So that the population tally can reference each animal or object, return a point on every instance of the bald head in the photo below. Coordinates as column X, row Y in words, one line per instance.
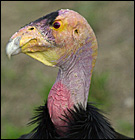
column 63, row 39
column 53, row 37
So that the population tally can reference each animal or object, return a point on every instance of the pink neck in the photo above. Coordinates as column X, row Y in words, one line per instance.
column 71, row 86
column 59, row 100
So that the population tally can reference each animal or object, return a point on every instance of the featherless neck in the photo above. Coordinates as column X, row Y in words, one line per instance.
column 72, row 84
column 76, row 74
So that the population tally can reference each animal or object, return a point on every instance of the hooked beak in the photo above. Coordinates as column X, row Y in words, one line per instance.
column 27, row 40
column 30, row 41
column 13, row 47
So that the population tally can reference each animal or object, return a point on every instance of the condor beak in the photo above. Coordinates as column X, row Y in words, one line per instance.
column 13, row 47
column 27, row 39
column 30, row 41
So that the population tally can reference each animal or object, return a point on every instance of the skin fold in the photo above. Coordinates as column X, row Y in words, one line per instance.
column 64, row 39
column 72, row 48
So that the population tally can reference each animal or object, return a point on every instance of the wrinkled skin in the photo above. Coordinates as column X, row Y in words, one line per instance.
column 72, row 47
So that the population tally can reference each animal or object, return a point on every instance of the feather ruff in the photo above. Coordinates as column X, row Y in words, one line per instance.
column 83, row 124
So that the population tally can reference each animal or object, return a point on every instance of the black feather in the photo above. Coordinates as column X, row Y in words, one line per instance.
column 89, row 124
column 82, row 124
column 44, row 129
column 50, row 18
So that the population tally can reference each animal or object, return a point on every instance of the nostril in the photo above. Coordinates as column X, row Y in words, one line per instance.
column 31, row 28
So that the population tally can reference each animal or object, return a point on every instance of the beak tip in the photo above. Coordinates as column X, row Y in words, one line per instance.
column 7, row 51
column 13, row 47
column 9, row 56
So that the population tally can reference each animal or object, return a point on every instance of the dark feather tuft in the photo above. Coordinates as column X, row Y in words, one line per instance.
column 88, row 124
column 44, row 129
column 82, row 124
column 50, row 18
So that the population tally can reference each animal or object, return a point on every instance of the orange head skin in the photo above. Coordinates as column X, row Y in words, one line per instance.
column 63, row 39
column 68, row 38
column 72, row 34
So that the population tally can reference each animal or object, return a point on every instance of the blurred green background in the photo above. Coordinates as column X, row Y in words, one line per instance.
column 26, row 82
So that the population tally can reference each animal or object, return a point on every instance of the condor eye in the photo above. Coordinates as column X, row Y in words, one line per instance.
column 56, row 25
